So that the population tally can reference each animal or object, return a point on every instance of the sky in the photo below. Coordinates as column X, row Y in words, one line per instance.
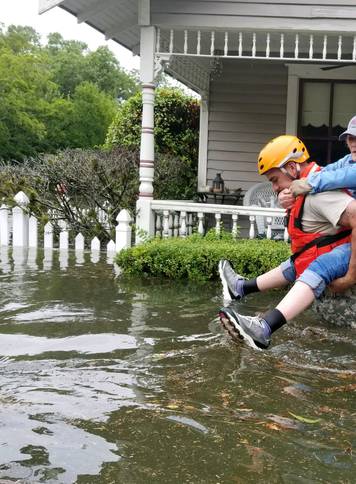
column 25, row 12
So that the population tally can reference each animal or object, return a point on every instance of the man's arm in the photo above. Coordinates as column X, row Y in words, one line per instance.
column 341, row 174
column 348, row 219
column 344, row 177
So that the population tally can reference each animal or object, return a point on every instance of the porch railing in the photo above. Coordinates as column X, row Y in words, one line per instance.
column 20, row 229
column 285, row 46
column 179, row 218
column 172, row 218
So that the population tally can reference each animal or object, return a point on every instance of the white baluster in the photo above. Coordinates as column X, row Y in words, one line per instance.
column 254, row 44
column 158, row 40
column 325, row 46
column 281, row 50
column 123, row 230
column 296, row 46
column 212, row 43
column 311, row 46
column 217, row 223
column 268, row 48
column 79, row 243
column 48, row 236
column 190, row 223
column 176, row 225
column 269, row 228
column 158, row 226
column 185, row 48
column 165, row 224
column 240, row 44
column 170, row 225
column 198, row 42
column 235, row 229
column 95, row 250
column 95, row 244
column 32, row 232
column 20, row 221
column 286, row 235
column 63, row 235
column 226, row 44
column 200, row 223
column 252, row 232
column 183, row 224
column 4, row 226
column 111, row 247
column 339, row 48
column 171, row 41
column 354, row 50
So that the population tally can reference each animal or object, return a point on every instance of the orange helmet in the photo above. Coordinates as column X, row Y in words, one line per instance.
column 279, row 151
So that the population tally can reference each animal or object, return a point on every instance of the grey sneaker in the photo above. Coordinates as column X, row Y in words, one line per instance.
column 232, row 282
column 253, row 329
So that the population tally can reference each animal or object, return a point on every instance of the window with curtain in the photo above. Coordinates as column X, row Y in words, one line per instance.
column 325, row 110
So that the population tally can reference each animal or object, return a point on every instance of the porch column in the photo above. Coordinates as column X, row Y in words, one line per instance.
column 145, row 216
column 203, row 141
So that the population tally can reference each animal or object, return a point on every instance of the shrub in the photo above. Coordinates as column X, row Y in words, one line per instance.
column 75, row 180
column 197, row 257
column 176, row 139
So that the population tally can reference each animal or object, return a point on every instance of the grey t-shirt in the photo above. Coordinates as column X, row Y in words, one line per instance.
column 322, row 211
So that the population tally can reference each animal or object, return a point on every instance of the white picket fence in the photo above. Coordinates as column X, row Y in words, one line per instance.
column 20, row 230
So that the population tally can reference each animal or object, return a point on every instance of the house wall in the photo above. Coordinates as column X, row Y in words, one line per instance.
column 247, row 107
column 302, row 15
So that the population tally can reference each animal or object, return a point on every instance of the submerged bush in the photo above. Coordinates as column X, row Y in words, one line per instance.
column 197, row 257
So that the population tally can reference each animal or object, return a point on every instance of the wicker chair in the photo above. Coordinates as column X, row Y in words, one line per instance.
column 262, row 195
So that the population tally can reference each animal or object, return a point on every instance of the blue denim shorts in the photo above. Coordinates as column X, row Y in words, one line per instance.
column 322, row 270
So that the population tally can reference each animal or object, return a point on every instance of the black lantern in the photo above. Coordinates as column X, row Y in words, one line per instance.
column 218, row 184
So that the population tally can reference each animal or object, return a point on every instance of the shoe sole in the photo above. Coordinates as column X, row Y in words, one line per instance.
column 232, row 326
column 226, row 291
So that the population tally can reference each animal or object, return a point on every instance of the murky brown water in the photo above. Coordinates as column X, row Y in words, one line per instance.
column 106, row 380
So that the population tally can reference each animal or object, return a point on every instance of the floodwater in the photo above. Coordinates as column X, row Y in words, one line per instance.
column 105, row 379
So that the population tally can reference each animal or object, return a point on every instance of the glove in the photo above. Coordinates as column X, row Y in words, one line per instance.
column 300, row 187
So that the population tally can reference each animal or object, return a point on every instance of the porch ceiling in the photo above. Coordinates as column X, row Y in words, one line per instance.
column 116, row 19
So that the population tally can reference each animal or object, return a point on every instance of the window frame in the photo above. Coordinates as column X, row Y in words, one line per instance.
column 330, row 138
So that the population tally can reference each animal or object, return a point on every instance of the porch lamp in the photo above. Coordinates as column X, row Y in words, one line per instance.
column 218, row 183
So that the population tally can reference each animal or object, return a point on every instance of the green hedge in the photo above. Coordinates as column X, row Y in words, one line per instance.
column 197, row 257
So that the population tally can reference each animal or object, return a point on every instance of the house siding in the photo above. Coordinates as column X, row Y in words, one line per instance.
column 303, row 15
column 247, row 107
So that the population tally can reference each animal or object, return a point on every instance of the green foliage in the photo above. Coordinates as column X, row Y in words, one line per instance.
column 55, row 96
column 176, row 137
column 197, row 257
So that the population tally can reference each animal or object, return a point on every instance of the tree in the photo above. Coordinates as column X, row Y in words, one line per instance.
column 56, row 96
column 26, row 93
column 176, row 124
column 93, row 109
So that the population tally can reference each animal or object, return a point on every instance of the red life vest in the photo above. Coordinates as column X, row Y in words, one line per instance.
column 306, row 247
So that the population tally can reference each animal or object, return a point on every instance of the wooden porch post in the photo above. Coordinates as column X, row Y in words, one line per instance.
column 145, row 216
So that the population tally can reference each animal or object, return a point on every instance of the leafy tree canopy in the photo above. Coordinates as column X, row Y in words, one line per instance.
column 55, row 96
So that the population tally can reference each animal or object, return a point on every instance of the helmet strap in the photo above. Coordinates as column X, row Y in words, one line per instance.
column 283, row 170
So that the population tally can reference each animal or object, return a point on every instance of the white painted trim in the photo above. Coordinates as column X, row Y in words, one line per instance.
column 308, row 71
column 45, row 5
column 203, row 142
column 144, row 12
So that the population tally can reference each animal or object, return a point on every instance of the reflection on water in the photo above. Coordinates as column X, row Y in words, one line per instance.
column 111, row 380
